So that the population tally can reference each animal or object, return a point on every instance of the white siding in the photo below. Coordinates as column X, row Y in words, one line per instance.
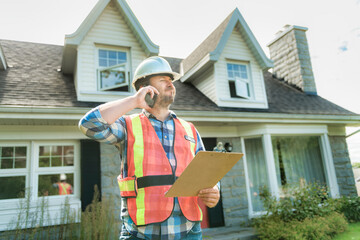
column 111, row 30
column 236, row 49
column 206, row 84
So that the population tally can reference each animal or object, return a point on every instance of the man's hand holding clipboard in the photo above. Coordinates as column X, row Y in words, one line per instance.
column 205, row 170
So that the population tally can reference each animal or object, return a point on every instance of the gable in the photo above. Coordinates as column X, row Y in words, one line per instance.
column 209, row 51
column 210, row 66
column 236, row 51
column 110, row 33
column 74, row 39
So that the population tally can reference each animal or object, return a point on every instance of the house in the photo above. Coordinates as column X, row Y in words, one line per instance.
column 288, row 133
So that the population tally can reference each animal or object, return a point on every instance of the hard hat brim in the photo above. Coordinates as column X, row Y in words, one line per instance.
column 176, row 76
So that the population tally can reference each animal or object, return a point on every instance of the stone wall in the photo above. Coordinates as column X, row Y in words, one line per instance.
column 233, row 190
column 110, row 169
column 343, row 168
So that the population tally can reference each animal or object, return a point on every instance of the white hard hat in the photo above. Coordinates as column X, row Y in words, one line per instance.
column 62, row 177
column 154, row 65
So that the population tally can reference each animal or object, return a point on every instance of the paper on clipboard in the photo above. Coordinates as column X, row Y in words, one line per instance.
column 204, row 171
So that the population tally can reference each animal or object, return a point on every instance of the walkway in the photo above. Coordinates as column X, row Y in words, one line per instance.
column 229, row 233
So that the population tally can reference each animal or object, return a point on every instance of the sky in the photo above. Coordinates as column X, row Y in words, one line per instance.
column 179, row 26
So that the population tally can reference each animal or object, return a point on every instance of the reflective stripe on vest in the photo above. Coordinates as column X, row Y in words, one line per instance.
column 189, row 132
column 64, row 188
column 127, row 186
column 146, row 157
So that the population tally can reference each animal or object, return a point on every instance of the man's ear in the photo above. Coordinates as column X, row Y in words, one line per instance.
column 144, row 85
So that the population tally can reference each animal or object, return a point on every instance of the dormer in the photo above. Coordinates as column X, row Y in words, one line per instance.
column 228, row 66
column 3, row 64
column 103, row 53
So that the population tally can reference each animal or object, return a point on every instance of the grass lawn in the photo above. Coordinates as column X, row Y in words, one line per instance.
column 353, row 233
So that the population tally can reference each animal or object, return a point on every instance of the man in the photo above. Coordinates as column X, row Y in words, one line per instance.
column 63, row 187
column 157, row 148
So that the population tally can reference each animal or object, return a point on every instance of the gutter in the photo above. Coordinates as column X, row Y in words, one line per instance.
column 357, row 131
column 75, row 113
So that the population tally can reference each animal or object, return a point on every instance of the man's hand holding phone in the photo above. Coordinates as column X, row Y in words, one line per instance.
column 150, row 101
column 146, row 97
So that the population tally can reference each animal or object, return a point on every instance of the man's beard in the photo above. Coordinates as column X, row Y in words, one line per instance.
column 165, row 101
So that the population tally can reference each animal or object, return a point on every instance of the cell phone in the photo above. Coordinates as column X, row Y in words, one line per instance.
column 150, row 101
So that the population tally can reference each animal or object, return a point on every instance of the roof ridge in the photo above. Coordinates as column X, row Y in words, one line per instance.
column 216, row 33
column 10, row 40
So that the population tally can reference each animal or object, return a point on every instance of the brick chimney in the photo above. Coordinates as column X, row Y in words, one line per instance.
column 290, row 53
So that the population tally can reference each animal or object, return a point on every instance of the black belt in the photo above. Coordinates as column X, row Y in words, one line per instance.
column 155, row 180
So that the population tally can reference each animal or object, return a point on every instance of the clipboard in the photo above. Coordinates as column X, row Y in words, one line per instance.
column 204, row 171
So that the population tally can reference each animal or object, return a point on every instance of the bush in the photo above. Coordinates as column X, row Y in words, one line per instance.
column 303, row 213
column 349, row 206
column 316, row 228
column 299, row 203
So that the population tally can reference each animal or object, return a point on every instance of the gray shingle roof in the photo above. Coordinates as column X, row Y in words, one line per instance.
column 282, row 98
column 33, row 80
column 208, row 45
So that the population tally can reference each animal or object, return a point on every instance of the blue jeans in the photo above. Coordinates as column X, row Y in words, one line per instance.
column 194, row 234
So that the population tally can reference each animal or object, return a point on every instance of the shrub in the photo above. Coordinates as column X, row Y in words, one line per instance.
column 299, row 203
column 349, row 206
column 304, row 213
column 316, row 228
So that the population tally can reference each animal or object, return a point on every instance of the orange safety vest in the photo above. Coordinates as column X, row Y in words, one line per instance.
column 150, row 173
column 64, row 188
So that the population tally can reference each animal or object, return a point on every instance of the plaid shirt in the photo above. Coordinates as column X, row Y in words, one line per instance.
column 95, row 127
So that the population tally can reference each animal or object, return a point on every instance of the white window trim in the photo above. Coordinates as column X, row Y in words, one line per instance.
column 55, row 170
column 9, row 207
column 126, row 83
column 17, row 171
column 247, row 64
column 99, row 68
column 272, row 130
column 330, row 172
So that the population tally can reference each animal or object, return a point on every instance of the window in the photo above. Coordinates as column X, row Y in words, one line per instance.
column 113, row 70
column 295, row 161
column 13, row 171
column 239, row 80
column 298, row 161
column 257, row 171
column 56, row 169
column 44, row 169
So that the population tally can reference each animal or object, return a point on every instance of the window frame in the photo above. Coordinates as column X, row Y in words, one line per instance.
column 14, row 172
column 239, row 80
column 32, row 170
column 75, row 169
column 252, row 213
column 99, row 68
